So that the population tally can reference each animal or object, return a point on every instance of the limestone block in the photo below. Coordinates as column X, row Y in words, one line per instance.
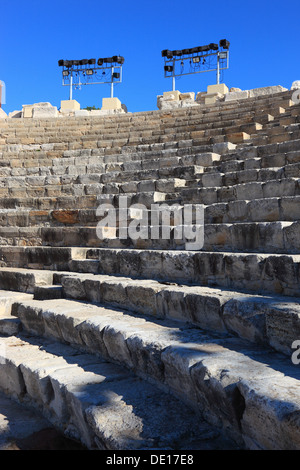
column 200, row 96
column 211, row 98
column 237, row 95
column 187, row 96
column 171, row 95
column 81, row 112
column 69, row 105
column 295, row 85
column 167, row 105
column 269, row 90
column 44, row 112
column 234, row 89
column 188, row 102
column 238, row 137
column 27, row 110
column 219, row 88
column 224, row 147
column 3, row 114
column 111, row 104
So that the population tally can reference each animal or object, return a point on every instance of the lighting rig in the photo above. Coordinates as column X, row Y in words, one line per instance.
column 212, row 57
column 89, row 72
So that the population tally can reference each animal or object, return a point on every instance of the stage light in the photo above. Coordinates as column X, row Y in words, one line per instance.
column 196, row 59
column 100, row 62
column 223, row 55
column 177, row 53
column 166, row 53
column 168, row 68
column 213, row 46
column 65, row 73
column 83, row 62
column 89, row 72
column 118, row 59
column 92, row 61
column 224, row 43
column 203, row 48
column 60, row 63
column 116, row 75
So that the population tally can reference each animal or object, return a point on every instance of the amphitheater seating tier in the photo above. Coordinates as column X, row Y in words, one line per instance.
column 143, row 343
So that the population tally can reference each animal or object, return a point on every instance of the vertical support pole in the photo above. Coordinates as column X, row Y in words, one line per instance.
column 0, row 94
column 112, row 83
column 71, row 86
column 173, row 78
column 218, row 69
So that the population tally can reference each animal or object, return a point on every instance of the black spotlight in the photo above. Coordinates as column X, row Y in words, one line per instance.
column 213, row 46
column 166, row 53
column 100, row 62
column 203, row 48
column 116, row 75
column 118, row 59
column 224, row 43
column 92, row 61
column 168, row 68
column 177, row 53
column 61, row 63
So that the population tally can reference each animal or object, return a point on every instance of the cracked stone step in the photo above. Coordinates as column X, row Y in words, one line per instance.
column 269, row 320
column 258, row 272
column 246, row 398
column 100, row 404
column 256, row 237
column 10, row 325
column 22, row 428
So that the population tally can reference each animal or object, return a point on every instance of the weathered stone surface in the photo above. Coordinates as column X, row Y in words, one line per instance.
column 169, row 314
column 266, row 90
column 237, row 95
column 295, row 85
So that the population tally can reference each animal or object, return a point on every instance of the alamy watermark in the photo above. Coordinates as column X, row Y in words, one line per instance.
column 162, row 221
column 296, row 354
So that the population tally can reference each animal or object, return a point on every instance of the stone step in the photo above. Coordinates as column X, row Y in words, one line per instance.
column 248, row 237
column 229, row 116
column 22, row 429
column 10, row 325
column 189, row 362
column 161, row 121
column 280, row 187
column 116, row 138
column 39, row 257
column 117, row 411
column 260, row 319
column 285, row 208
column 70, row 202
column 248, row 272
column 251, row 272
column 24, row 280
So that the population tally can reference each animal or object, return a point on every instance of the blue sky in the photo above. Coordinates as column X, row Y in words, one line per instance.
column 35, row 34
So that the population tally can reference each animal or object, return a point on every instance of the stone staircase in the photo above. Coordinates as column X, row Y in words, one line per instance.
column 141, row 343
